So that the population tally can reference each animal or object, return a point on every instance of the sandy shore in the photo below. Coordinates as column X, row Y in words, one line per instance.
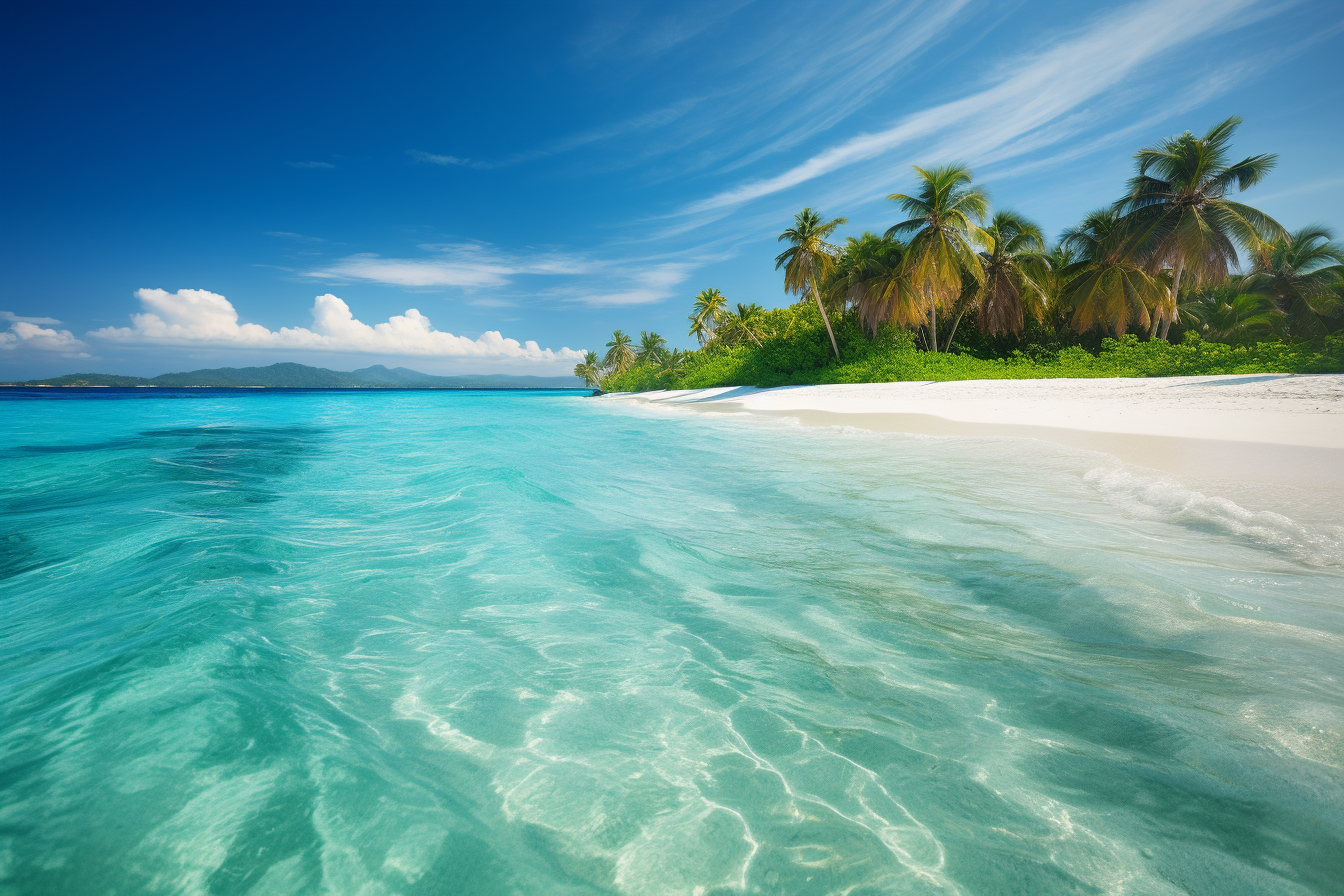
column 1275, row 440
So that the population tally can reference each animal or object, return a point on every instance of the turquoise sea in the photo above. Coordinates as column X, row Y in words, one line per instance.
column 535, row 643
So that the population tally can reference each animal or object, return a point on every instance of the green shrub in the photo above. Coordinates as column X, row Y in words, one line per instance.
column 799, row 353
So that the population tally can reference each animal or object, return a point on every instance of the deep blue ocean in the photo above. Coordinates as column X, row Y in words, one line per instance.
column 536, row 643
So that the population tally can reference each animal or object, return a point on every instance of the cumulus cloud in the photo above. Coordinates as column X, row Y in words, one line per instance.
column 203, row 318
column 25, row 334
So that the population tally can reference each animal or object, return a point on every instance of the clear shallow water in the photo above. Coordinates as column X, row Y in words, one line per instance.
column 516, row 643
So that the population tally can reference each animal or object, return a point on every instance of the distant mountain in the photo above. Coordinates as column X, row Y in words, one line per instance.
column 86, row 379
column 299, row 376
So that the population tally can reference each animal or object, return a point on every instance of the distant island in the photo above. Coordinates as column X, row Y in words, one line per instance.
column 300, row 376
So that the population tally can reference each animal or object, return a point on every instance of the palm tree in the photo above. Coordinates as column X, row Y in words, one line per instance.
column 1106, row 286
column 1015, row 285
column 809, row 259
column 673, row 362
column 744, row 325
column 709, row 308
column 1178, row 209
column 1300, row 274
column 651, row 347
column 1226, row 314
column 589, row 370
column 1055, row 280
column 870, row 275
column 945, row 218
column 619, row 353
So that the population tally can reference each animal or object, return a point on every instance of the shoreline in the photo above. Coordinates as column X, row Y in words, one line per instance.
column 1268, row 441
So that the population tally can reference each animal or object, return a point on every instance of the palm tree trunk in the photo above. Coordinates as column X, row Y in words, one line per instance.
column 933, row 317
column 816, row 295
column 957, row 323
column 1176, row 272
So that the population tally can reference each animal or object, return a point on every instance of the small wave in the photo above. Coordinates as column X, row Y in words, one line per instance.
column 1164, row 499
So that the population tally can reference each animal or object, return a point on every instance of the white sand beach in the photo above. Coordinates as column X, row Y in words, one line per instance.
column 1273, row 440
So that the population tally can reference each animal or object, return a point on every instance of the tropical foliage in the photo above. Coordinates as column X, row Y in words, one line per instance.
column 810, row 259
column 1180, row 217
column 945, row 214
column 1174, row 277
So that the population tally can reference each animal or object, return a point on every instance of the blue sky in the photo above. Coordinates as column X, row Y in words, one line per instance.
column 250, row 183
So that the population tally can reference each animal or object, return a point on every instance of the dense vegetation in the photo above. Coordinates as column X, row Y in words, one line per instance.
column 1173, row 278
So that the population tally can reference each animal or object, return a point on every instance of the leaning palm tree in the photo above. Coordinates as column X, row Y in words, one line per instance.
column 1179, row 212
column 619, row 353
column 710, row 307
column 1300, row 274
column 809, row 259
column 870, row 275
column 651, row 347
column 944, row 218
column 1106, row 286
column 589, row 370
column 1015, row 283
column 744, row 325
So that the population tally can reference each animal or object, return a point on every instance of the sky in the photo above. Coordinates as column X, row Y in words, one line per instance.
column 493, row 188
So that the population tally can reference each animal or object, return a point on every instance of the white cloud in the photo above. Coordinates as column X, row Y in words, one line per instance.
column 469, row 265
column 654, row 119
column 1029, row 94
column 23, row 334
column 11, row 316
column 297, row 237
column 201, row 318
column 606, row 283
column 436, row 159
column 633, row 283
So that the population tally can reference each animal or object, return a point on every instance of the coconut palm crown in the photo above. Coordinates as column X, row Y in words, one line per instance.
column 1016, row 268
column 709, row 309
column 1180, row 215
column 619, row 353
column 944, row 218
column 809, row 259
column 651, row 346
column 870, row 276
column 589, row 370
column 1300, row 274
column 743, row 325
column 1105, row 286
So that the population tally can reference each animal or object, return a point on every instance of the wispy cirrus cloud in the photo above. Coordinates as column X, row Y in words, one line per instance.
column 466, row 265
column 644, row 121
column 18, row 318
column 593, row 282
column 296, row 237
column 644, row 286
column 1022, row 97
column 436, row 159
